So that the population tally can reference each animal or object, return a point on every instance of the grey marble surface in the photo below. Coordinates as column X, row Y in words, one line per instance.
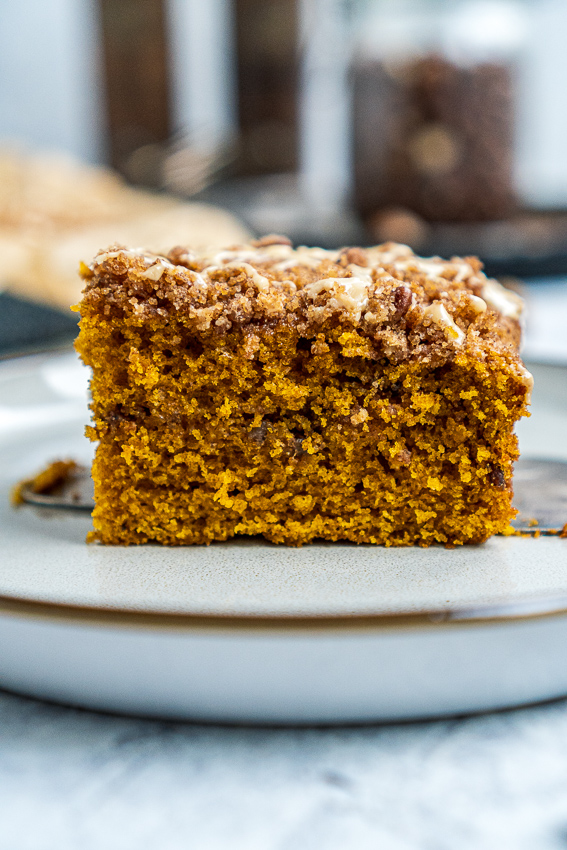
column 72, row 779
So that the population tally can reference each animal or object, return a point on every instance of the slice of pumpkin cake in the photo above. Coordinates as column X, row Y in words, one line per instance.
column 359, row 394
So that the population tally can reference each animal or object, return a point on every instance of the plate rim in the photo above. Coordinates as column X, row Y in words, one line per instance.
column 528, row 609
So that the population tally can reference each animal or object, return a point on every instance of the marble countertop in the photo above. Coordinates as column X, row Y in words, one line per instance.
column 73, row 779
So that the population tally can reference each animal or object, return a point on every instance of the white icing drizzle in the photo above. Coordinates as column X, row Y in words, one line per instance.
column 109, row 255
column 361, row 272
column 308, row 257
column 389, row 252
column 464, row 271
column 477, row 304
column 503, row 300
column 349, row 293
column 528, row 380
column 103, row 256
column 224, row 257
column 199, row 279
column 156, row 270
column 156, row 264
column 403, row 259
column 439, row 315
column 261, row 282
column 433, row 267
column 281, row 257
column 430, row 266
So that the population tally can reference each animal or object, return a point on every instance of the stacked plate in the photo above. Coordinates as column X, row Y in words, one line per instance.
column 250, row 632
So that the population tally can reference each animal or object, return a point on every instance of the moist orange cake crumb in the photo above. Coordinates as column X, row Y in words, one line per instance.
column 360, row 394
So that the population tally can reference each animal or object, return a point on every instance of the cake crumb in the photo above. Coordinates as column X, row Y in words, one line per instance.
column 360, row 394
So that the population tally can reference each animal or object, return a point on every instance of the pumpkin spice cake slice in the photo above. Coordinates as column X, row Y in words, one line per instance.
column 363, row 395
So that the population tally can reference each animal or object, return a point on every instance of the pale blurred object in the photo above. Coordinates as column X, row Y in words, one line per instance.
column 55, row 212
column 396, row 224
column 435, row 110
column 51, row 87
column 546, row 340
column 186, row 168
column 203, row 74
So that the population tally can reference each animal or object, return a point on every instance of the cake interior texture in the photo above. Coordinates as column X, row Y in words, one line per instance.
column 366, row 395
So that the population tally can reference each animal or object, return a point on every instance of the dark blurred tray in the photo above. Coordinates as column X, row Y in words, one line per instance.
column 530, row 244
column 26, row 326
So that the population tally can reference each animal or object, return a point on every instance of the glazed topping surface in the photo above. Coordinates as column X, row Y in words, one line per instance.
column 387, row 291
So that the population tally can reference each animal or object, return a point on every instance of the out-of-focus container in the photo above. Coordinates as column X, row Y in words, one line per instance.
column 435, row 107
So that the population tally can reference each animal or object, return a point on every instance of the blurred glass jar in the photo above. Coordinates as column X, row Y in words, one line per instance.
column 434, row 107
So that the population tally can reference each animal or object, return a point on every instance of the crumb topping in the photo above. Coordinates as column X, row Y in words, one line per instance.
column 407, row 305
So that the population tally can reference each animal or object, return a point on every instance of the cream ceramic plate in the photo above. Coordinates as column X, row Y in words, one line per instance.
column 247, row 631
